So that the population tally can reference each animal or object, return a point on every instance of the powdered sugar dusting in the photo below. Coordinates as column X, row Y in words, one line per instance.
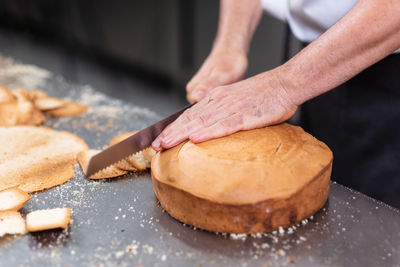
column 144, row 234
column 18, row 75
column 102, row 115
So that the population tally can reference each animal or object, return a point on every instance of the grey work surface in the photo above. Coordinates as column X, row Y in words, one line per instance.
column 117, row 222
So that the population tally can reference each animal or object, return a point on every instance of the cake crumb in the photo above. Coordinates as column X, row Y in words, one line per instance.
column 281, row 252
column 119, row 254
column 281, row 230
column 238, row 236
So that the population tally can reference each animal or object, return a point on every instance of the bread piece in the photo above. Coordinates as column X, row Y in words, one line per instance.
column 9, row 113
column 248, row 182
column 6, row 95
column 121, row 137
column 69, row 109
column 25, row 108
column 13, row 199
column 11, row 222
column 123, row 164
column 22, row 107
column 40, row 220
column 109, row 172
column 8, row 108
column 36, row 94
column 19, row 109
column 137, row 160
column 36, row 118
column 48, row 103
column 36, row 158
column 149, row 153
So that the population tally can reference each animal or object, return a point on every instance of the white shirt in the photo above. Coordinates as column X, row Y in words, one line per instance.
column 308, row 19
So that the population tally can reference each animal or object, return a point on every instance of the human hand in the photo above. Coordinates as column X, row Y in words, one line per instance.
column 220, row 68
column 253, row 103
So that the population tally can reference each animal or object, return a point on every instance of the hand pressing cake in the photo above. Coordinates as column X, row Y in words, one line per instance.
column 248, row 182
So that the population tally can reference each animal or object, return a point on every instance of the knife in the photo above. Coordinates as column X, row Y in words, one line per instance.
column 129, row 146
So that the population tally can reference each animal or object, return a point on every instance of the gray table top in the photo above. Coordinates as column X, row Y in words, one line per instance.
column 119, row 222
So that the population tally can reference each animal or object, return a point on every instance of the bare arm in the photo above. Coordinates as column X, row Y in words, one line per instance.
column 368, row 33
column 227, row 62
column 237, row 23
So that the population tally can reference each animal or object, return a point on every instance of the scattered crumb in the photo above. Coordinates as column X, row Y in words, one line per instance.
column 238, row 236
column 281, row 252
column 101, row 118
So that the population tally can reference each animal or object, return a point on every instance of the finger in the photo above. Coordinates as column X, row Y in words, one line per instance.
column 201, row 74
column 219, row 78
column 156, row 145
column 207, row 83
column 165, row 140
column 205, row 114
column 180, row 132
column 195, row 85
column 197, row 95
column 221, row 128
column 177, row 137
column 176, row 131
column 206, row 117
column 194, row 82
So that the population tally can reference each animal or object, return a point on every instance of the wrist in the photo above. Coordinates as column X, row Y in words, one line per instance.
column 276, row 82
column 291, row 85
column 223, row 46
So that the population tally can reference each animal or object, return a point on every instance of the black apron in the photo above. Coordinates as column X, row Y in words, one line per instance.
column 360, row 122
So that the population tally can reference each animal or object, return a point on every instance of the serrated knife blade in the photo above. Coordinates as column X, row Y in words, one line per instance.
column 129, row 146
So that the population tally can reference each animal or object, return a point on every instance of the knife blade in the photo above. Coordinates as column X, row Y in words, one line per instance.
column 129, row 146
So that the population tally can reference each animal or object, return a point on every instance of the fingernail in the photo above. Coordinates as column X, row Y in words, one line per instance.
column 157, row 143
column 199, row 94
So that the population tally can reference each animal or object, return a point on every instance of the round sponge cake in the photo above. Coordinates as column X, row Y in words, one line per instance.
column 248, row 182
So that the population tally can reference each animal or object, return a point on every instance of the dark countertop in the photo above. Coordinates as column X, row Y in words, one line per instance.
column 118, row 221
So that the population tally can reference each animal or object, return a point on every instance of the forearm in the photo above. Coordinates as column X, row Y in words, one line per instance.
column 368, row 33
column 238, row 20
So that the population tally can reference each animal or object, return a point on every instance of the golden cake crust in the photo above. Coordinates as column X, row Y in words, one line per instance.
column 251, row 181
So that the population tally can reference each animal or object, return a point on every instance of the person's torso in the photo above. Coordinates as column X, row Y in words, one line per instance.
column 308, row 19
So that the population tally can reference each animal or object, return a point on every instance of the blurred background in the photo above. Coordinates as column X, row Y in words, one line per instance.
column 140, row 51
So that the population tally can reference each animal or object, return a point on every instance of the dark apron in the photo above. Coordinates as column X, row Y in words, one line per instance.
column 360, row 122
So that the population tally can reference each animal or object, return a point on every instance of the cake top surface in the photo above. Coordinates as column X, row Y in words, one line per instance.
column 246, row 167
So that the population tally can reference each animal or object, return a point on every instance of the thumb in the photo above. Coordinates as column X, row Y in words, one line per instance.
column 197, row 95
